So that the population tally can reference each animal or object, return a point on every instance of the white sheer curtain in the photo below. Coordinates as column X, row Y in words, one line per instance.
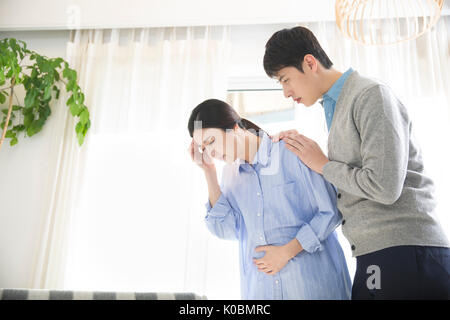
column 132, row 218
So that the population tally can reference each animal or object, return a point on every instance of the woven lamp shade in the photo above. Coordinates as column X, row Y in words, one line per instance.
column 381, row 22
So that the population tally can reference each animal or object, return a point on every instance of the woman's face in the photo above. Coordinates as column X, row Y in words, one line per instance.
column 218, row 144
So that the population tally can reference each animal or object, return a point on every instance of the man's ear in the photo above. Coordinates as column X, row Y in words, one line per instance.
column 310, row 62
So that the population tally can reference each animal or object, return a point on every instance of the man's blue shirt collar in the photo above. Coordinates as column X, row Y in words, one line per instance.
column 331, row 96
column 335, row 90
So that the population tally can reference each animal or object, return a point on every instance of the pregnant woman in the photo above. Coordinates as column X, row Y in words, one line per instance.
column 282, row 213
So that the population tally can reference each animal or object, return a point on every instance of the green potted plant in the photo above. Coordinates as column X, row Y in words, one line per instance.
column 40, row 76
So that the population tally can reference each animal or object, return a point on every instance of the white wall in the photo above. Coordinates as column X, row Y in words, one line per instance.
column 57, row 14
column 63, row 14
column 24, row 171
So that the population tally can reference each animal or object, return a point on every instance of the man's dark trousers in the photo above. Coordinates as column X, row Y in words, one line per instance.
column 403, row 272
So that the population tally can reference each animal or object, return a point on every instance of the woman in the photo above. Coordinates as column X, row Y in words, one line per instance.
column 282, row 213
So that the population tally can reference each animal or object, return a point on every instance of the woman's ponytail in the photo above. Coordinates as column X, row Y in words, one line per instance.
column 247, row 124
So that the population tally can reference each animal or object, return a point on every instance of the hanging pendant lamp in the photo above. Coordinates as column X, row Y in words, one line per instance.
column 381, row 22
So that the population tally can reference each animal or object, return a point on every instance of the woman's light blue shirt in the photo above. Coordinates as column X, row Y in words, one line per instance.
column 270, row 202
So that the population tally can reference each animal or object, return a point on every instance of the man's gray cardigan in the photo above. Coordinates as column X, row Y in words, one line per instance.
column 383, row 193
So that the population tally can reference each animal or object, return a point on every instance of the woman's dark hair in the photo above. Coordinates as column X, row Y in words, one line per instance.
column 288, row 48
column 218, row 114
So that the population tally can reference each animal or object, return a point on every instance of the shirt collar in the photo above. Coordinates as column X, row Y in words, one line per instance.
column 335, row 90
column 262, row 155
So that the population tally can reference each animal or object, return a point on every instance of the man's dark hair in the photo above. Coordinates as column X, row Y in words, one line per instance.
column 288, row 48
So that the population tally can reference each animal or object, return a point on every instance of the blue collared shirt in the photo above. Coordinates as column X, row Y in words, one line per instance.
column 270, row 202
column 332, row 95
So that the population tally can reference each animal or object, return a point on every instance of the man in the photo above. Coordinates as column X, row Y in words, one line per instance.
column 386, row 200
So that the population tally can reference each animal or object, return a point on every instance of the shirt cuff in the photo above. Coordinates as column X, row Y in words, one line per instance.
column 220, row 208
column 308, row 239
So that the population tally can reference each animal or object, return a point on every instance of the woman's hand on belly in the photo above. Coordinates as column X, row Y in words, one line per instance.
column 276, row 257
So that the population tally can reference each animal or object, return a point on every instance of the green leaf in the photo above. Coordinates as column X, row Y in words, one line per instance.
column 24, row 45
column 44, row 111
column 30, row 98
column 55, row 88
column 34, row 73
column 2, row 78
column 68, row 74
column 71, row 85
column 2, row 97
column 56, row 62
column 26, row 111
column 47, row 93
column 12, row 42
column 80, row 98
column 37, row 125
column 44, row 64
column 78, row 127
column 75, row 109
column 26, row 82
column 80, row 137
column 37, row 82
column 28, row 119
column 19, row 127
column 84, row 116
column 13, row 141
column 10, row 134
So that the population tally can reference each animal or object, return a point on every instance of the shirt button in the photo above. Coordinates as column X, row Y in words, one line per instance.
column 353, row 247
column 258, row 194
column 260, row 237
column 258, row 214
column 276, row 281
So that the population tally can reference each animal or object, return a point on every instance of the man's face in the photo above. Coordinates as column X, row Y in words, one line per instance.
column 301, row 87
